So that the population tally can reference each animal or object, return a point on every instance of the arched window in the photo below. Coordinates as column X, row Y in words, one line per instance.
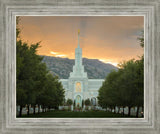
column 78, row 87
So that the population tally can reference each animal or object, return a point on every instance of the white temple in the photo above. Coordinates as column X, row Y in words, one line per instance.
column 78, row 87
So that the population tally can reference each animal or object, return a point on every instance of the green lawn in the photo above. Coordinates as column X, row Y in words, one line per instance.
column 69, row 114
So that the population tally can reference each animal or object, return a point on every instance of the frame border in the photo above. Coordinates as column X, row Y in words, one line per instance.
column 149, row 9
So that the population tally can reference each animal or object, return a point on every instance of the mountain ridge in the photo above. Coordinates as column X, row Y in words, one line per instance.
column 62, row 67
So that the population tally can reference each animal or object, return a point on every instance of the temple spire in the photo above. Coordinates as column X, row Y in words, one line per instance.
column 78, row 68
column 78, row 38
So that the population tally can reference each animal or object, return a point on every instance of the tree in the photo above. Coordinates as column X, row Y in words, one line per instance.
column 59, row 95
column 129, row 77
column 126, row 86
column 140, row 79
column 140, row 84
column 28, row 76
column 141, row 39
column 74, row 103
column 109, row 92
column 34, row 84
column 82, row 103
column 21, row 98
column 87, row 102
column 69, row 102
column 51, row 96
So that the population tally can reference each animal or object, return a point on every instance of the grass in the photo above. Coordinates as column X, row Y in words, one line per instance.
column 70, row 114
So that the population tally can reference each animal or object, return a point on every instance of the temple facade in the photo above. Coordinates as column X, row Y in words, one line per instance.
column 78, row 87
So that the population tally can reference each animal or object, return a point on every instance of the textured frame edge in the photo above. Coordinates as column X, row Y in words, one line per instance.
column 155, row 49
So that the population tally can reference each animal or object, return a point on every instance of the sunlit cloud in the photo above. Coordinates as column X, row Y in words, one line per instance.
column 113, row 63
column 58, row 54
column 106, row 61
column 61, row 55
column 53, row 52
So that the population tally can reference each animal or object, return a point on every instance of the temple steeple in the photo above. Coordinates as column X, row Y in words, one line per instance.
column 78, row 53
column 78, row 68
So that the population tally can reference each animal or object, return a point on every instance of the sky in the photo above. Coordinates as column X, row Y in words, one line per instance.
column 111, row 39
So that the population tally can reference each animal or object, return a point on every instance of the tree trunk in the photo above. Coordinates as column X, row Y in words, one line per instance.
column 142, row 111
column 20, row 111
column 43, row 108
column 38, row 108
column 123, row 110
column 34, row 109
column 28, row 109
column 111, row 109
column 56, row 107
column 118, row 109
column 129, row 111
column 114, row 109
column 137, row 111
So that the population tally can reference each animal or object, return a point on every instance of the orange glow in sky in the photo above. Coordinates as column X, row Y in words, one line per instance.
column 56, row 54
column 111, row 39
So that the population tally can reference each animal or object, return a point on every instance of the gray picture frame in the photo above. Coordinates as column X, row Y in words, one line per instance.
column 150, row 124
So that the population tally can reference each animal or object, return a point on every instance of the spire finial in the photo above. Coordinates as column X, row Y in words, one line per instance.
column 78, row 37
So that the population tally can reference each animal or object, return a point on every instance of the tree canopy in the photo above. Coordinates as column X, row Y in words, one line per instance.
column 35, row 85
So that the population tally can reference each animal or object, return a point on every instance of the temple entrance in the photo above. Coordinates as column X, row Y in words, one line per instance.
column 78, row 101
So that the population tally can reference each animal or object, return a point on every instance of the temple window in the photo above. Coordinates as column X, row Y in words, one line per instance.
column 78, row 87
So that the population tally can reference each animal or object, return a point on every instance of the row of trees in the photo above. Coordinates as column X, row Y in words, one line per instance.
column 70, row 102
column 34, row 84
column 125, row 87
